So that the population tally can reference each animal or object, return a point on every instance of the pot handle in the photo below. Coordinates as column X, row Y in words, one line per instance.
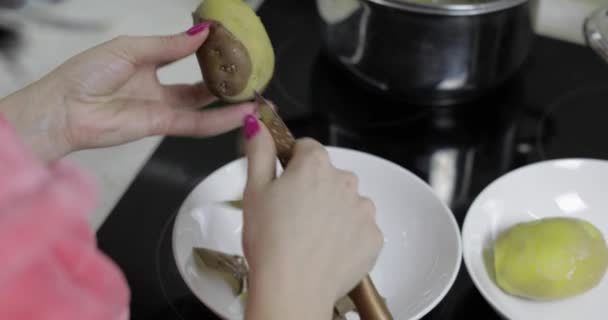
column 596, row 32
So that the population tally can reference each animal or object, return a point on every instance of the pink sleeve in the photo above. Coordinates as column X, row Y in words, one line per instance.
column 50, row 267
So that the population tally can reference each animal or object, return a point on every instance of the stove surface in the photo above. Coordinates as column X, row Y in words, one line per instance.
column 554, row 108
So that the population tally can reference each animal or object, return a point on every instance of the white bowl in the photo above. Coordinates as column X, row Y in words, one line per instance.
column 419, row 262
column 565, row 187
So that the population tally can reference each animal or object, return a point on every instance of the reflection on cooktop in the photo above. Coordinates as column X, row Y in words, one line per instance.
column 577, row 123
column 288, row 77
column 440, row 145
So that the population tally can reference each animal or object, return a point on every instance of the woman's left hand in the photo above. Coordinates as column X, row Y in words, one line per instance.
column 111, row 95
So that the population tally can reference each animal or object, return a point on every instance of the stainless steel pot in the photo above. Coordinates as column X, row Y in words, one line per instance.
column 596, row 32
column 423, row 52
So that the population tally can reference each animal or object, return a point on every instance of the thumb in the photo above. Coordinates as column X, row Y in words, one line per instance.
column 261, row 154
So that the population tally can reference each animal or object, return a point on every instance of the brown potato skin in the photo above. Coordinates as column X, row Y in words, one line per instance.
column 224, row 62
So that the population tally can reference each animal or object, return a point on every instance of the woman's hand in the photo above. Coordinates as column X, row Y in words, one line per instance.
column 309, row 237
column 111, row 94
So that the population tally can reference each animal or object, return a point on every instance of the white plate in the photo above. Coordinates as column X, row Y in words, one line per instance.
column 565, row 187
column 419, row 262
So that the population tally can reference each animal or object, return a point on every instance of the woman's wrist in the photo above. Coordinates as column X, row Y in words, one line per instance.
column 274, row 295
column 32, row 112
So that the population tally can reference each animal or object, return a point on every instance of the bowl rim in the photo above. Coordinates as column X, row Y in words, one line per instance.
column 419, row 181
column 475, row 204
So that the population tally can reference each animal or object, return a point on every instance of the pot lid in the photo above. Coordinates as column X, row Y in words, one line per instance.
column 451, row 7
column 596, row 32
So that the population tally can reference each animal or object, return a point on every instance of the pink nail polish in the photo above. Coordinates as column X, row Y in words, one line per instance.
column 252, row 127
column 198, row 28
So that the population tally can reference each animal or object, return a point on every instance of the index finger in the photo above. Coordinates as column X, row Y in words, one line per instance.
column 141, row 50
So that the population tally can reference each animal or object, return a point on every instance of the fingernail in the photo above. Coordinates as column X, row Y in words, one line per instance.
column 252, row 127
column 198, row 28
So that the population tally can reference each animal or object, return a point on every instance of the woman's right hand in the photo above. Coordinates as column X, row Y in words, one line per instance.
column 309, row 237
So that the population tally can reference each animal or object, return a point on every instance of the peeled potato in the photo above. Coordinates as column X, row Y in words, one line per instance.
column 238, row 58
column 551, row 258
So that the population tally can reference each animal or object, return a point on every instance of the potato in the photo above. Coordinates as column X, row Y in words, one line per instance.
column 238, row 58
column 550, row 258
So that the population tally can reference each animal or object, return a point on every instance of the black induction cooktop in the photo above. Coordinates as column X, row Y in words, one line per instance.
column 554, row 108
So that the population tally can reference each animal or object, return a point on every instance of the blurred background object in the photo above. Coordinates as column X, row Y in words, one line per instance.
column 11, row 3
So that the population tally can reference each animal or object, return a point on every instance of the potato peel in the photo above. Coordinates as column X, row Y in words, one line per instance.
column 238, row 57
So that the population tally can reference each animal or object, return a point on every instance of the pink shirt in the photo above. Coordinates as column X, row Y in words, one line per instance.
column 50, row 267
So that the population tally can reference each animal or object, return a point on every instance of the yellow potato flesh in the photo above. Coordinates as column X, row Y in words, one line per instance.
column 549, row 259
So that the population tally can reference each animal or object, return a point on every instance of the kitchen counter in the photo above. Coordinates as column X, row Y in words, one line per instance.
column 115, row 168
column 563, row 19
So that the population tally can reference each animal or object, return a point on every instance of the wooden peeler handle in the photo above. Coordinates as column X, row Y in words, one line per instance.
column 370, row 305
